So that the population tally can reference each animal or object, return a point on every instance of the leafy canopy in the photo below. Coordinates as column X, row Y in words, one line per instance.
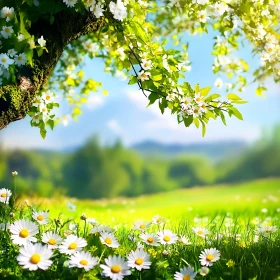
column 132, row 42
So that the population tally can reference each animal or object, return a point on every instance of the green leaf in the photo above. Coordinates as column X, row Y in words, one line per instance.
column 203, row 128
column 133, row 80
column 233, row 96
column 43, row 132
column 188, row 121
column 196, row 122
column 51, row 19
column 157, row 77
column 236, row 113
column 196, row 88
column 152, row 97
column 212, row 97
column 260, row 91
column 205, row 91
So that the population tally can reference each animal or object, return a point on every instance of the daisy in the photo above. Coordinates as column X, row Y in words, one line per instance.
column 71, row 207
column 48, row 96
column 186, row 102
column 202, row 16
column 143, row 76
column 150, row 239
column 90, row 46
column 109, row 239
column 34, row 256
column 7, row 31
column 23, row 231
column 20, row 37
column 146, row 64
column 37, row 102
column 157, row 219
column 197, row 112
column 266, row 230
column 41, row 217
column 170, row 97
column 185, row 273
column 139, row 259
column 36, row 118
column 70, row 3
column 198, row 98
column 52, row 239
column 83, row 260
column 209, row 256
column 72, row 244
column 167, row 237
column 12, row 52
column 141, row 225
column 7, row 13
column 200, row 231
column 185, row 240
column 5, row 61
column 92, row 221
column 203, row 107
column 115, row 267
column 98, row 10
column 118, row 10
column 43, row 109
column 5, row 195
column 20, row 59
column 101, row 228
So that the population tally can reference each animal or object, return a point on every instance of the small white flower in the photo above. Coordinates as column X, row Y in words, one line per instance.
column 52, row 239
column 209, row 256
column 167, row 237
column 7, row 13
column 266, row 230
column 115, row 267
column 157, row 220
column 42, row 41
column 219, row 83
column 143, row 76
column 101, row 228
column 198, row 98
column 48, row 96
column 12, row 53
column 202, row 16
column 5, row 195
column 83, row 260
column 146, row 64
column 14, row 173
column 139, row 259
column 41, row 217
column 70, row 3
column 34, row 256
column 20, row 59
column 220, row 8
column 7, row 31
column 20, row 37
column 185, row 240
column 197, row 112
column 43, row 109
column 118, row 10
column 5, row 61
column 140, row 225
column 92, row 221
column 90, row 46
column 23, row 231
column 204, row 271
column 36, row 118
column 200, row 231
column 98, row 10
column 185, row 273
column 150, row 239
column 186, row 102
column 72, row 244
column 109, row 239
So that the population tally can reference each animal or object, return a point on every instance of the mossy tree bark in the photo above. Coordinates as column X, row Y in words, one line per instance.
column 16, row 99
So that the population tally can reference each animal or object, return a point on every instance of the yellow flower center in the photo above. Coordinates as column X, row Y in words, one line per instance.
column 115, row 269
column 210, row 257
column 198, row 99
column 186, row 102
column 3, row 59
column 186, row 277
column 139, row 261
column 150, row 240
column 35, row 258
column 40, row 218
column 23, row 233
column 203, row 106
column 195, row 111
column 159, row 220
column 142, row 226
column 72, row 246
column 108, row 240
column 19, row 58
column 3, row 194
column 52, row 241
column 166, row 238
column 48, row 97
column 7, row 29
column 44, row 109
column 83, row 262
column 200, row 232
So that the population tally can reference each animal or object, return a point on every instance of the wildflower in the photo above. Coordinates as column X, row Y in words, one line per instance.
column 72, row 244
column 48, row 96
column 185, row 240
column 41, row 217
column 141, row 225
column 23, row 231
column 204, row 271
column 170, row 97
column 7, row 31
column 11, row 53
column 90, row 46
column 266, row 230
column 167, row 237
column 7, row 13
column 209, row 256
column 146, row 64
column 52, row 239
column 36, row 118
column 230, row 263
column 185, row 273
column 118, row 10
column 115, row 267
column 139, row 259
column 264, row 210
column 101, row 228
column 5, row 61
column 157, row 220
column 143, row 76
column 5, row 195
column 202, row 16
column 198, row 98
column 202, row 232
column 98, row 10
column 150, row 239
column 14, row 173
column 196, row 111
column 83, row 260
column 42, row 42
column 34, row 256
column 109, row 239
column 70, row 3
column 20, row 37
column 71, row 207
column 20, row 59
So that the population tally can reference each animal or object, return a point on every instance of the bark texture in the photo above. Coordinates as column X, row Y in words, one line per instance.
column 16, row 99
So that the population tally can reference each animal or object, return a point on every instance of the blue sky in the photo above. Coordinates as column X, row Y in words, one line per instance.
column 123, row 113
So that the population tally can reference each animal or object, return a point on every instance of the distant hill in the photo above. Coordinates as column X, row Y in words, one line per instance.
column 215, row 150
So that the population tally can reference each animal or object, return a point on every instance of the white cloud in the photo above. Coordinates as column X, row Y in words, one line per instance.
column 94, row 102
column 114, row 126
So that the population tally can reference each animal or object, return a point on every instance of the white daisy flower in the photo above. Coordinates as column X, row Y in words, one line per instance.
column 170, row 97
column 203, row 107
column 204, row 271
column 7, row 13
column 44, row 109
column 185, row 240
column 90, row 46
column 92, row 221
column 20, row 59
column 7, row 31
column 266, row 230
column 202, row 16
column 209, row 256
column 115, row 267
column 70, row 3
column 185, row 273
column 5, row 195
column 219, row 83
column 167, row 237
column 36, row 118
column 52, row 239
column 109, row 239
column 98, row 10
column 200, row 231
column 71, row 207
column 198, row 98
column 34, row 256
column 101, row 228
column 41, row 217
column 72, row 244
column 150, row 239
column 118, row 10
column 139, row 259
column 5, row 61
column 143, row 76
column 23, row 231
column 83, row 260
column 197, row 112
column 48, row 96
column 146, row 64
column 157, row 220
column 186, row 102
column 12, row 53
column 140, row 225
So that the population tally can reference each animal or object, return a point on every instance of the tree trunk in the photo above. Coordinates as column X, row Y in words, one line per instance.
column 16, row 99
